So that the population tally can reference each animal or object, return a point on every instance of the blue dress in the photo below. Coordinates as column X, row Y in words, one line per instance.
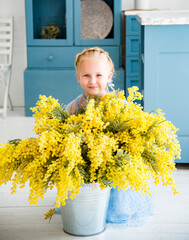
column 129, row 208
column 125, row 206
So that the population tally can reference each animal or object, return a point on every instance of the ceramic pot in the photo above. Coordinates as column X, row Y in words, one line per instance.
column 142, row 4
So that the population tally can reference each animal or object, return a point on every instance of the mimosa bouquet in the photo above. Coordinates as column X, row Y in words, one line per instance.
column 112, row 141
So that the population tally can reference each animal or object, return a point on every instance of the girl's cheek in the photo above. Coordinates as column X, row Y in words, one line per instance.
column 83, row 79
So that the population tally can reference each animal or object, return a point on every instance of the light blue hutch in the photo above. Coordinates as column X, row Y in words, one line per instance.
column 157, row 59
column 50, row 62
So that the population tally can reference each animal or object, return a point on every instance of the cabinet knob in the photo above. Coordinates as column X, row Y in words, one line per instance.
column 50, row 57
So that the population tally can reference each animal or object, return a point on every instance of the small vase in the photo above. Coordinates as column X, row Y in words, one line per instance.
column 142, row 4
column 85, row 215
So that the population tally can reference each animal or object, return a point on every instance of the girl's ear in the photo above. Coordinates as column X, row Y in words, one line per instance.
column 110, row 77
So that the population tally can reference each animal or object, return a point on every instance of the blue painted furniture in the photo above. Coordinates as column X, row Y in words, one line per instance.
column 132, row 61
column 166, row 76
column 50, row 62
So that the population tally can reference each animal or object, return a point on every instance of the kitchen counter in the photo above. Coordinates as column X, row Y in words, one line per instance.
column 161, row 17
column 157, row 57
column 164, row 38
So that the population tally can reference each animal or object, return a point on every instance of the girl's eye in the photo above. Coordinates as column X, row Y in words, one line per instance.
column 86, row 75
column 99, row 75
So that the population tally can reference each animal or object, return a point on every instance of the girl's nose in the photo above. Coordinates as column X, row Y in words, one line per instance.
column 92, row 79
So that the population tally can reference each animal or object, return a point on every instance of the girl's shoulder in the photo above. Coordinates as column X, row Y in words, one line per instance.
column 76, row 104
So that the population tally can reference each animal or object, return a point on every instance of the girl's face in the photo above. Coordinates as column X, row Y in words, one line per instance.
column 94, row 75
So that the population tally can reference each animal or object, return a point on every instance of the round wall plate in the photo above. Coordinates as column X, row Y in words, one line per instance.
column 96, row 19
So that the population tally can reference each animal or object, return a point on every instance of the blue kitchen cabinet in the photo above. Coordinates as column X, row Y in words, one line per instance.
column 50, row 62
column 132, row 49
column 165, row 65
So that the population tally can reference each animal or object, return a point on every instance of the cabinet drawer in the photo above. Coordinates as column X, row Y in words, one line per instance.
column 132, row 46
column 132, row 66
column 132, row 81
column 50, row 57
column 132, row 25
column 59, row 57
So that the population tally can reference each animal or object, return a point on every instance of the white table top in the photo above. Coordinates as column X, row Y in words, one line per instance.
column 161, row 17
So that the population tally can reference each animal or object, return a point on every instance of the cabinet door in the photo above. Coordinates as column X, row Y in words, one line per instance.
column 166, row 77
column 40, row 13
column 112, row 38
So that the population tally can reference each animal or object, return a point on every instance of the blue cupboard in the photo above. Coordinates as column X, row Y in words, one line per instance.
column 157, row 61
column 166, row 76
column 50, row 62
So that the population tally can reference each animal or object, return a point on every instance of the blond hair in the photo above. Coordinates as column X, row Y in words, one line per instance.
column 94, row 51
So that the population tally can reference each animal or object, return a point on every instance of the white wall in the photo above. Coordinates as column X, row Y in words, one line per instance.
column 17, row 9
column 159, row 4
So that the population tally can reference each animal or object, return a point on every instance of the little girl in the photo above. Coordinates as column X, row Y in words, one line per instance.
column 94, row 70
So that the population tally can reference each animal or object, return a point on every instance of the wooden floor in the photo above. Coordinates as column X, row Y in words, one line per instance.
column 20, row 221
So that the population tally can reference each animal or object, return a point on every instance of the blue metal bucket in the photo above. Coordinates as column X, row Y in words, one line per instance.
column 85, row 215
